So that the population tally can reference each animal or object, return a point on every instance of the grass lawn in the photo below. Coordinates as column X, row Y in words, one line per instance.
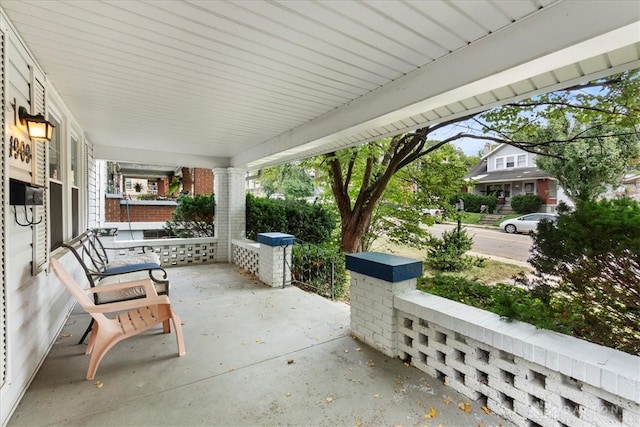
column 492, row 272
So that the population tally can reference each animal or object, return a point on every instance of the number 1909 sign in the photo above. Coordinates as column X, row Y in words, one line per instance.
column 20, row 149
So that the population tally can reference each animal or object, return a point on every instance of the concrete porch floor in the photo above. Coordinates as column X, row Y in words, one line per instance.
column 256, row 356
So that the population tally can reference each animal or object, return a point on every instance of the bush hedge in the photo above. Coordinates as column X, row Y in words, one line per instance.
column 526, row 203
column 473, row 202
column 311, row 223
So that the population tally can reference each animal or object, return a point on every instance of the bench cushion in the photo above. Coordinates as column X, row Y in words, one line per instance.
column 130, row 268
column 134, row 259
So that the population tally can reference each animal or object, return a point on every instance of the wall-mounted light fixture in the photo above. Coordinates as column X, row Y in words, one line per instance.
column 38, row 127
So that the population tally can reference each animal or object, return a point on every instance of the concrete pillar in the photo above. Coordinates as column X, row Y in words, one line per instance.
column 375, row 280
column 275, row 258
column 230, row 220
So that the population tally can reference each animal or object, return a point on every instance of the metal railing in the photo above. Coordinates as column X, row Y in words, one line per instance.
column 313, row 268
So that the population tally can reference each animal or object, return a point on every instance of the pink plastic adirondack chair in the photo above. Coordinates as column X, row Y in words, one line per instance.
column 135, row 316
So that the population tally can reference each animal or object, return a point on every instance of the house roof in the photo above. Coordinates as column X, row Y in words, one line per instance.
column 254, row 84
column 515, row 174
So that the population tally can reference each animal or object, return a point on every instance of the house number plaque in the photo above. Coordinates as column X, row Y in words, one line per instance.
column 19, row 149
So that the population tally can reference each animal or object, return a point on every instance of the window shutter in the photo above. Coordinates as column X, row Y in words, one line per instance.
column 40, row 245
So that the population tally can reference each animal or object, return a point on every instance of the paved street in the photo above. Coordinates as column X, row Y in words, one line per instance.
column 493, row 242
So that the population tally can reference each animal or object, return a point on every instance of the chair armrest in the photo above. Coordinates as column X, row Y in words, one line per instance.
column 128, row 304
column 150, row 290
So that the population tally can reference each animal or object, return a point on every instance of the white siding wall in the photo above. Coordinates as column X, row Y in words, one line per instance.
column 508, row 150
column 34, row 307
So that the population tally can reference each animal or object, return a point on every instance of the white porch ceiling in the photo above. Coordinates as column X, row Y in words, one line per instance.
column 257, row 83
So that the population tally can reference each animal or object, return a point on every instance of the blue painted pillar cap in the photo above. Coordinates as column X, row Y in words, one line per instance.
column 276, row 239
column 391, row 268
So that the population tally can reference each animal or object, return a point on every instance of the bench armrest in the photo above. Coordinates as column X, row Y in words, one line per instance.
column 133, row 268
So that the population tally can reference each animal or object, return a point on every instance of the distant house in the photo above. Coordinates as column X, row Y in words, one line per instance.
column 629, row 187
column 506, row 171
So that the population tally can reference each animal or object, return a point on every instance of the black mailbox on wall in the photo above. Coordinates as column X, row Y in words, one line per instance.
column 23, row 194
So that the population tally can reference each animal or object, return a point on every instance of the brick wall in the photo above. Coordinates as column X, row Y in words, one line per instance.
column 203, row 180
column 139, row 211
column 197, row 180
column 543, row 191
column 112, row 209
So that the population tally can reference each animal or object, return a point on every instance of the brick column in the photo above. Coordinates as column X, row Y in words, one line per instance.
column 275, row 258
column 375, row 280
column 230, row 219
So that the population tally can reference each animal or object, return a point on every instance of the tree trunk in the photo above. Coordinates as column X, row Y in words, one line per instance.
column 354, row 225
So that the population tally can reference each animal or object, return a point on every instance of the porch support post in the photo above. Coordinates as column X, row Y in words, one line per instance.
column 275, row 258
column 375, row 280
column 230, row 218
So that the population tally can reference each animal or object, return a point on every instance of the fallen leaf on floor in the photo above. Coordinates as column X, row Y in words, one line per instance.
column 99, row 384
column 287, row 394
column 231, row 369
column 347, row 350
column 486, row 410
column 466, row 407
column 65, row 335
column 329, row 399
column 358, row 423
column 447, row 400
column 258, row 340
column 432, row 413
column 358, row 349
column 371, row 364
column 290, row 362
column 375, row 396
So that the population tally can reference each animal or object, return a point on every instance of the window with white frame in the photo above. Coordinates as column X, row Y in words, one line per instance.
column 56, row 190
column 553, row 189
column 522, row 160
column 74, row 181
column 511, row 161
column 528, row 187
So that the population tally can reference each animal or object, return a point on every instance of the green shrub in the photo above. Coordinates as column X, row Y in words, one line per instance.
column 147, row 197
column 592, row 255
column 473, row 202
column 316, row 266
column 508, row 301
column 193, row 216
column 448, row 253
column 311, row 223
column 526, row 203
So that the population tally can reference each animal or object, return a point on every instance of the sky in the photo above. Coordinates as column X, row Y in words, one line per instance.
column 470, row 147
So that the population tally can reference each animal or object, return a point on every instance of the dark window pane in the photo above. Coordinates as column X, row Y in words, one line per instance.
column 55, row 206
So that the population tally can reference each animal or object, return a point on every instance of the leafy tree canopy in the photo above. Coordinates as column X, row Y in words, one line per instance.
column 595, row 111
column 290, row 179
column 584, row 167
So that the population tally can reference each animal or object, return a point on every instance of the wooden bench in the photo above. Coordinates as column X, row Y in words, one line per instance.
column 101, row 269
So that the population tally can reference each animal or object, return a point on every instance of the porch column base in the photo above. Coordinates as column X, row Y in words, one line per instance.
column 375, row 280
column 275, row 258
